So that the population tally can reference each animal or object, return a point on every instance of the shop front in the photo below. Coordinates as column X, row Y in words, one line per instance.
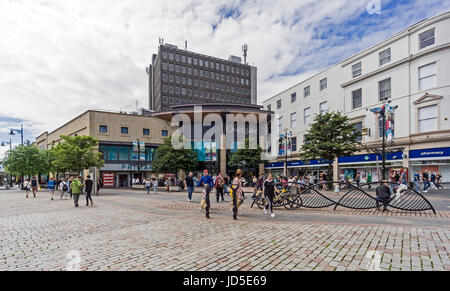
column 122, row 175
column 369, row 163
column 435, row 160
column 298, row 168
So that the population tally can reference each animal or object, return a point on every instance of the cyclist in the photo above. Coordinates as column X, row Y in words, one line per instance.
column 269, row 193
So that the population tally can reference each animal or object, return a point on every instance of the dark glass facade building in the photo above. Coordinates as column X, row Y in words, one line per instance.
column 179, row 77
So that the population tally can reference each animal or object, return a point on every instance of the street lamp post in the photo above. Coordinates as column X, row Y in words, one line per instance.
column 286, row 138
column 4, row 143
column 11, row 132
column 382, row 111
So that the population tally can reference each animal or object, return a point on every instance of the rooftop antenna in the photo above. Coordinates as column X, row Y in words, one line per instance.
column 161, row 41
column 185, row 45
column 244, row 49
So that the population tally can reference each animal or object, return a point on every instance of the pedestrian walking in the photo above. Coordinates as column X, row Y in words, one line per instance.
column 404, row 177
column 426, row 181
column 226, row 181
column 148, row 185
column 392, row 180
column 206, row 203
column 69, row 182
column 88, row 185
column 358, row 178
column 269, row 190
column 189, row 181
column 75, row 187
column 238, row 193
column 206, row 179
column 27, row 187
column 369, row 179
column 34, row 186
column 167, row 183
column 51, row 187
column 219, row 184
column 417, row 181
column 438, row 180
column 155, row 184
column 207, row 182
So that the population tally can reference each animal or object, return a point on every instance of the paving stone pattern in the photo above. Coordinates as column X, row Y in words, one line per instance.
column 132, row 232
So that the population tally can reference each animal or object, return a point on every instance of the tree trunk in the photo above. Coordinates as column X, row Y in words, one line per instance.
column 330, row 175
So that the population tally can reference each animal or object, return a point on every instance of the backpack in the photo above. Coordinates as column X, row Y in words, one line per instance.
column 65, row 187
column 221, row 182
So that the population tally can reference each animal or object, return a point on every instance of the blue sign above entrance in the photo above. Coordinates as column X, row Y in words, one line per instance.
column 370, row 158
column 430, row 153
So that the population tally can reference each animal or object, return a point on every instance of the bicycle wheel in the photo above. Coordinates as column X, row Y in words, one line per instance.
column 261, row 202
column 290, row 202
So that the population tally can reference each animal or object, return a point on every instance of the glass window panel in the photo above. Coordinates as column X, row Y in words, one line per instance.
column 428, row 125
column 428, row 112
column 124, row 153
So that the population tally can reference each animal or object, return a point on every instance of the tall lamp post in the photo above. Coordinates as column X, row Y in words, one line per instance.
column 382, row 111
column 286, row 138
column 12, row 132
column 4, row 143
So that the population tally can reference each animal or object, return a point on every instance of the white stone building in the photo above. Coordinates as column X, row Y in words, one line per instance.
column 411, row 70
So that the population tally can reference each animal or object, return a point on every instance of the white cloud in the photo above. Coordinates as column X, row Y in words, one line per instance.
column 59, row 58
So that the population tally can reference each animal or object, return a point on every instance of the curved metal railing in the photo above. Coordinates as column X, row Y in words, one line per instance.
column 357, row 196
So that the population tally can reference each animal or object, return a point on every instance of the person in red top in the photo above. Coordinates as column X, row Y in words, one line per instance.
column 219, row 184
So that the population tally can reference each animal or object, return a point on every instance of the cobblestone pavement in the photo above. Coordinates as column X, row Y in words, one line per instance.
column 134, row 231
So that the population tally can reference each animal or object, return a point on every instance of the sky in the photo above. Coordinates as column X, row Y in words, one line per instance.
column 59, row 58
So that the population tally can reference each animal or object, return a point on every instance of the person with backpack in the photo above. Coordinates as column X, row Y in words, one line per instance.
column 51, row 187
column 75, row 188
column 220, row 184
column 88, row 185
column 34, row 186
column 64, row 187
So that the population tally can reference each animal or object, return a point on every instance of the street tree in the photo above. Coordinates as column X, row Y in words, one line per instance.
column 329, row 137
column 76, row 153
column 170, row 160
column 28, row 160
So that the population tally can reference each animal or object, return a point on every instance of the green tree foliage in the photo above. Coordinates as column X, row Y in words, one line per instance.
column 27, row 159
column 170, row 160
column 246, row 158
column 329, row 137
column 76, row 153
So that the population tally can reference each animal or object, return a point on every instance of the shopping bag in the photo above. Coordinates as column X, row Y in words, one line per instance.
column 203, row 204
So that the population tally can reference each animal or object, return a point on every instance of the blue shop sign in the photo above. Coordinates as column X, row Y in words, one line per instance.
column 275, row 165
column 430, row 153
column 291, row 164
column 370, row 158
